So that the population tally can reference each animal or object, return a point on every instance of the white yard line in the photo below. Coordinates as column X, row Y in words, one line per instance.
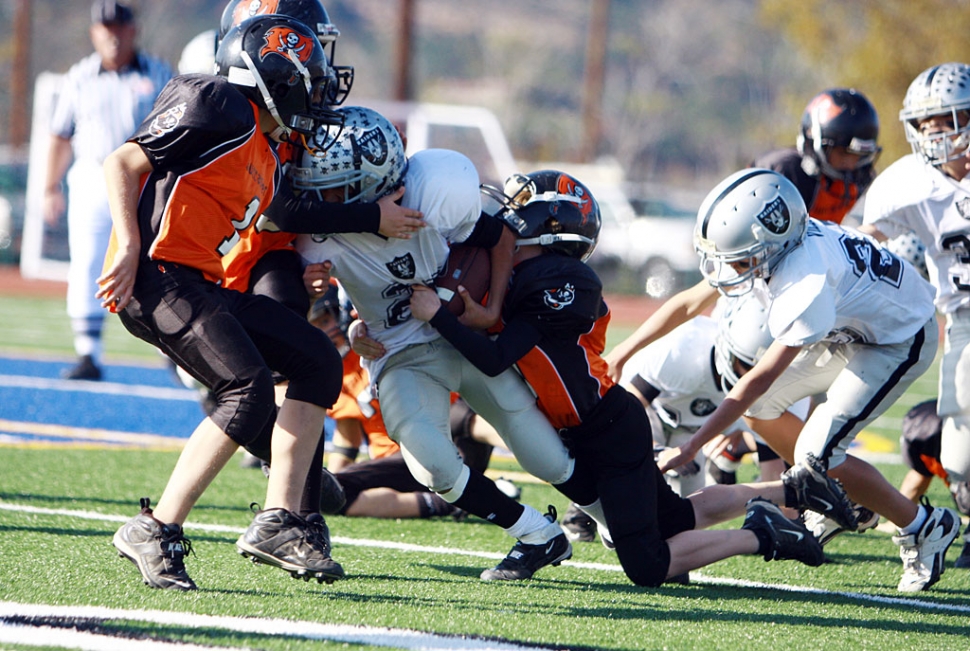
column 449, row 551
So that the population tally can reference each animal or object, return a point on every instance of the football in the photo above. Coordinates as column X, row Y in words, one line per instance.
column 468, row 266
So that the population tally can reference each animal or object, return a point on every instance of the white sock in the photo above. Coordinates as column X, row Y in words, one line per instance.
column 530, row 527
column 915, row 525
column 595, row 511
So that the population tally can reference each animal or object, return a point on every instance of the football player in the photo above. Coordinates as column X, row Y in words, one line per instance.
column 193, row 177
column 928, row 193
column 553, row 330
column 836, row 149
column 413, row 368
column 848, row 318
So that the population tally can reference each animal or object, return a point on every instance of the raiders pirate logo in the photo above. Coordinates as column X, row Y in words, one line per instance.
column 402, row 267
column 702, row 407
column 372, row 145
column 557, row 299
column 963, row 207
column 283, row 40
column 167, row 120
column 775, row 217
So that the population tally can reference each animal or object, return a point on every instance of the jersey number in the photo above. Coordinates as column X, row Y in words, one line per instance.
column 878, row 262
column 252, row 209
column 959, row 245
column 400, row 310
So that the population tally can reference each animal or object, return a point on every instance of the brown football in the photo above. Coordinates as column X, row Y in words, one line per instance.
column 468, row 266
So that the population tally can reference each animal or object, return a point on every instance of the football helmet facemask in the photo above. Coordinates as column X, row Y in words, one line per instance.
column 746, row 225
column 551, row 209
column 742, row 338
column 839, row 117
column 942, row 90
column 366, row 158
column 278, row 64
column 309, row 12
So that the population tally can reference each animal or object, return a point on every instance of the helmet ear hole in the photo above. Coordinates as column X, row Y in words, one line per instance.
column 554, row 210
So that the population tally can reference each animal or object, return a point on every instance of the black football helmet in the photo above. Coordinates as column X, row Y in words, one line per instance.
column 551, row 209
column 278, row 63
column 309, row 12
column 839, row 117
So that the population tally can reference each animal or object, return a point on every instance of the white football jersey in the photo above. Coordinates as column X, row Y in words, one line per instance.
column 681, row 366
column 839, row 286
column 913, row 196
column 378, row 272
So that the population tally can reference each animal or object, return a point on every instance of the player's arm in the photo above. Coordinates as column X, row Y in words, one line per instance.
column 749, row 388
column 490, row 356
column 306, row 213
column 494, row 235
column 123, row 170
column 59, row 156
column 678, row 309
column 872, row 231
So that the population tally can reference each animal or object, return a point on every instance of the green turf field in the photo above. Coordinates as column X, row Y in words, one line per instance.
column 60, row 507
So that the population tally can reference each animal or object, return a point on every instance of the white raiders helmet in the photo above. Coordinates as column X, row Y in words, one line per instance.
column 742, row 338
column 942, row 90
column 366, row 158
column 909, row 247
column 746, row 225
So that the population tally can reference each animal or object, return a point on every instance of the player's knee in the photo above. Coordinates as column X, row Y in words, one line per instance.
column 317, row 378
column 244, row 410
column 644, row 563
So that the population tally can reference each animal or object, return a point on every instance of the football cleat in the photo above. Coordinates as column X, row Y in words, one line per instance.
column 577, row 525
column 924, row 553
column 332, row 495
column 524, row 559
column 807, row 487
column 788, row 539
column 157, row 550
column 300, row 546
column 85, row 369
column 825, row 529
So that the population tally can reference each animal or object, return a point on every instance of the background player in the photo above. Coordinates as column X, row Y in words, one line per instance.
column 101, row 101
column 926, row 193
column 836, row 149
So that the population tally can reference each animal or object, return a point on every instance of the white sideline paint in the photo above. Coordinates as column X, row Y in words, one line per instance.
column 375, row 636
column 103, row 388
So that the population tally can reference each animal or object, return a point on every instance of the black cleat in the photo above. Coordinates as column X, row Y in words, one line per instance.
column 825, row 529
column 85, row 369
column 157, row 550
column 788, row 539
column 579, row 527
column 300, row 546
column 807, row 487
column 525, row 560
column 332, row 495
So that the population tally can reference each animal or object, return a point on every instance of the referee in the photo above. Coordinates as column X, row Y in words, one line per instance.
column 103, row 98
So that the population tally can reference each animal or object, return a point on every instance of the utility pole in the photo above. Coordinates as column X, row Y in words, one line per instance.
column 593, row 81
column 20, row 75
column 402, row 82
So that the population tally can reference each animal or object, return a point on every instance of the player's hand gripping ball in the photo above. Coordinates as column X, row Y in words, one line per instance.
column 468, row 266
